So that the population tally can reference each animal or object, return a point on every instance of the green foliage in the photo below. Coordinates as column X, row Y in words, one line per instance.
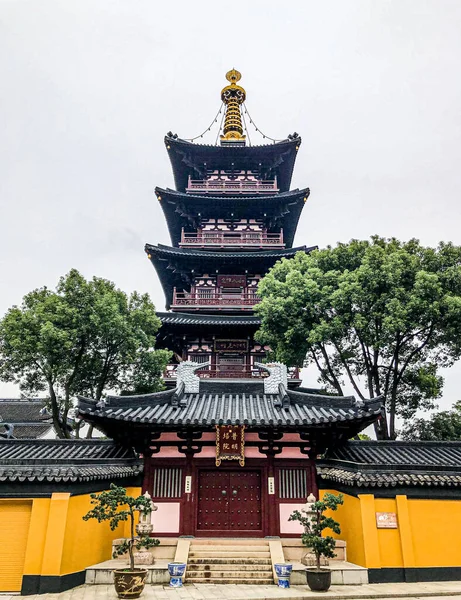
column 314, row 526
column 85, row 338
column 444, row 425
column 383, row 315
column 117, row 507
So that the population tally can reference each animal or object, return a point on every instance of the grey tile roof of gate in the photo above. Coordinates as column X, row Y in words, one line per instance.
column 233, row 402
column 393, row 464
column 66, row 460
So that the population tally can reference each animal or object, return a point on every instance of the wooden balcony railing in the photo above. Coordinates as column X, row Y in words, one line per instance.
column 244, row 301
column 241, row 238
column 232, row 186
column 226, row 373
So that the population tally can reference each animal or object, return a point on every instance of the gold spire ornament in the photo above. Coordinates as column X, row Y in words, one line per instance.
column 233, row 96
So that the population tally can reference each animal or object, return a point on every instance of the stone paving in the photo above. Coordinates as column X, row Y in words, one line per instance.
column 435, row 590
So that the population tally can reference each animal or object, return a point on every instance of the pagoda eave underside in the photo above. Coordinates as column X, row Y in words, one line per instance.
column 183, row 210
column 176, row 267
column 188, row 158
column 176, row 325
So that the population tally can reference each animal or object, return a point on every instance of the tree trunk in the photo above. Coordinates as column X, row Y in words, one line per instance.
column 61, row 431
column 89, row 433
column 130, row 545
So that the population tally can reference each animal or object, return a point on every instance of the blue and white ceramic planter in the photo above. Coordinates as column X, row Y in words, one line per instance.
column 176, row 571
column 283, row 572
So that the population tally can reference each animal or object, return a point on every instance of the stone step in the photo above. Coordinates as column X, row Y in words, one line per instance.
column 233, row 574
column 229, row 542
column 229, row 560
column 226, row 549
column 231, row 580
column 229, row 567
column 234, row 554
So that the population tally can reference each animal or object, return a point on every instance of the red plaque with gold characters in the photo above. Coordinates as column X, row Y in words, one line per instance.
column 230, row 443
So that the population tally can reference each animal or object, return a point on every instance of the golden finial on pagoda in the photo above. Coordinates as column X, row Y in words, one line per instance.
column 233, row 96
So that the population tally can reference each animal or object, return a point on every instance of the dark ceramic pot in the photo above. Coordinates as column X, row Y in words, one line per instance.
column 129, row 584
column 318, row 581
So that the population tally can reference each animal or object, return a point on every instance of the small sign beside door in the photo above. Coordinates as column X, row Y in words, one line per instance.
column 188, row 484
column 386, row 520
column 271, row 485
column 230, row 443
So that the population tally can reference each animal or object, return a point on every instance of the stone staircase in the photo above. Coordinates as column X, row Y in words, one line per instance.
column 241, row 561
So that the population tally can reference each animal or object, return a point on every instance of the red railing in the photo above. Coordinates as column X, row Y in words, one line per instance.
column 232, row 186
column 255, row 373
column 241, row 238
column 213, row 299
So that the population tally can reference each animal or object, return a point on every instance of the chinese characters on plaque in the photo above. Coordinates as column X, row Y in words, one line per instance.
column 386, row 520
column 230, row 443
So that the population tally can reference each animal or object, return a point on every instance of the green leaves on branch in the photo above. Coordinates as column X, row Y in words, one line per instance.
column 85, row 338
column 315, row 524
column 444, row 425
column 116, row 506
column 382, row 316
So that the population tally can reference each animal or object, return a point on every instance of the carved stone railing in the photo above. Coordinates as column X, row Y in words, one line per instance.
column 242, row 238
column 244, row 301
column 232, row 186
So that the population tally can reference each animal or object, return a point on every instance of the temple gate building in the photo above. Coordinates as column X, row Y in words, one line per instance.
column 233, row 444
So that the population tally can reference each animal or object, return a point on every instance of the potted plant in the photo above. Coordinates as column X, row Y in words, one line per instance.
column 116, row 506
column 314, row 522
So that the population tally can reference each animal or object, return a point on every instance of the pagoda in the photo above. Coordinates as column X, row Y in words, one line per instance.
column 230, row 218
column 232, row 442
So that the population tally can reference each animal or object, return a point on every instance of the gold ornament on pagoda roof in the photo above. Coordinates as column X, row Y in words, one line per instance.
column 233, row 96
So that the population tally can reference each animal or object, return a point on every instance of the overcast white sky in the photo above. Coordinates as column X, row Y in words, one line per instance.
column 90, row 87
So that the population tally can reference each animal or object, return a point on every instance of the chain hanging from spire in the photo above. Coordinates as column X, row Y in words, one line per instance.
column 233, row 96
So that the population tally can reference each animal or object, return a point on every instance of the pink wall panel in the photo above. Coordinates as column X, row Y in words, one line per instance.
column 166, row 518
column 287, row 526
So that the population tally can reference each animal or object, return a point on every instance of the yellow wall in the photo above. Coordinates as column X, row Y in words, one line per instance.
column 348, row 514
column 60, row 542
column 421, row 539
column 436, row 527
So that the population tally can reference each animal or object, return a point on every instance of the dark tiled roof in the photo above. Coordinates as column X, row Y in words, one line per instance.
column 15, row 410
column 233, row 402
column 31, row 430
column 277, row 211
column 188, row 158
column 393, row 464
column 65, row 460
column 177, row 318
column 186, row 253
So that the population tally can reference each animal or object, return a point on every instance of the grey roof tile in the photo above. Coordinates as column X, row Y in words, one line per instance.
column 393, row 464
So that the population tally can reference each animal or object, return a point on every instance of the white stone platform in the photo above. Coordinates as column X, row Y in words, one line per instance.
column 342, row 573
column 103, row 573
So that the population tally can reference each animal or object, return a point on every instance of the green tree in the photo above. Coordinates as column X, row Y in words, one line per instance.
column 314, row 525
column 383, row 315
column 116, row 506
column 444, row 425
column 87, row 337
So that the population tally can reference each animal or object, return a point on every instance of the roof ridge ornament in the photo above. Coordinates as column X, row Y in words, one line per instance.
column 186, row 376
column 277, row 375
column 233, row 96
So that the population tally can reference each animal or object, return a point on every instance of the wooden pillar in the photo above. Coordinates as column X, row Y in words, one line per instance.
column 187, row 525
column 273, row 517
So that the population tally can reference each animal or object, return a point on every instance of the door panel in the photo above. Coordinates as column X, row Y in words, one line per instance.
column 229, row 501
column 14, row 529
column 245, row 501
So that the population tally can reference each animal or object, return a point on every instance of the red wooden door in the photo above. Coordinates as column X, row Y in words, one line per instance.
column 229, row 502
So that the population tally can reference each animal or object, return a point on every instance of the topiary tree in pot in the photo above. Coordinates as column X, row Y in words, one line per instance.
column 116, row 506
column 314, row 523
